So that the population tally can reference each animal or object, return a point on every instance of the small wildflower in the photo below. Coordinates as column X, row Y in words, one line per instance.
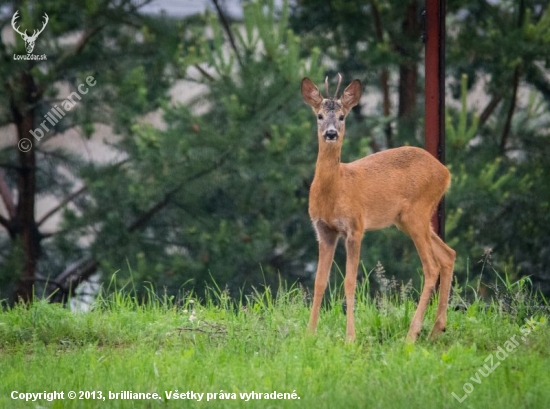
column 406, row 290
column 380, row 276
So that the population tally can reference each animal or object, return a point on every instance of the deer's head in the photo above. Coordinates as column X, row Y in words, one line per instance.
column 331, row 112
column 29, row 40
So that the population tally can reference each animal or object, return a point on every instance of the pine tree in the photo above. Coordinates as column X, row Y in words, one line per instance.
column 109, row 44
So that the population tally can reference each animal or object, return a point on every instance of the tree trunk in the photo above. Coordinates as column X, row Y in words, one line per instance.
column 515, row 84
column 384, row 75
column 25, row 224
column 408, row 73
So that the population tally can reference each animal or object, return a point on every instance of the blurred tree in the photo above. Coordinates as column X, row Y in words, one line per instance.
column 501, row 183
column 232, row 182
column 501, row 45
column 369, row 40
column 109, row 41
column 220, row 190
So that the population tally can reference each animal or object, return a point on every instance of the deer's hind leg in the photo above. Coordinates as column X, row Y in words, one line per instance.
column 419, row 229
column 446, row 258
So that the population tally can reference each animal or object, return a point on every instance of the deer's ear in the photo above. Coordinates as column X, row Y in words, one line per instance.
column 351, row 95
column 311, row 94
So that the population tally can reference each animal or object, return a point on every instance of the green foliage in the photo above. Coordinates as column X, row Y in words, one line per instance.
column 159, row 343
column 128, row 55
column 231, row 183
column 458, row 137
column 363, row 39
column 493, row 196
column 220, row 187
column 498, row 177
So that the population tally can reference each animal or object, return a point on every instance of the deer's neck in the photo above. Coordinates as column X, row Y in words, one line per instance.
column 327, row 169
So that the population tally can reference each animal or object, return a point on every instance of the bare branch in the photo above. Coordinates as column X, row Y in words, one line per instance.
column 489, row 109
column 145, row 217
column 76, row 273
column 61, row 204
column 6, row 195
column 515, row 84
column 46, row 280
column 511, row 109
column 92, row 31
column 384, row 74
column 204, row 73
column 228, row 31
column 86, row 37
column 49, row 234
column 10, row 166
column 148, row 214
column 4, row 222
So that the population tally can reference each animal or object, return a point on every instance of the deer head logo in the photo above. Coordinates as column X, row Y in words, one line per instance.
column 29, row 40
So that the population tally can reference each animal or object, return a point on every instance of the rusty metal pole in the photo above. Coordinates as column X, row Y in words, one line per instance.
column 434, row 119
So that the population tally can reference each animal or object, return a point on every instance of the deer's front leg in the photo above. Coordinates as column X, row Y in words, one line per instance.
column 353, row 250
column 327, row 245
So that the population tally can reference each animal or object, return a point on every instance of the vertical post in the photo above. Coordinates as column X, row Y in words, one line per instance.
column 434, row 122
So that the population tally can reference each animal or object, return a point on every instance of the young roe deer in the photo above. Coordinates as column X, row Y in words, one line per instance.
column 399, row 186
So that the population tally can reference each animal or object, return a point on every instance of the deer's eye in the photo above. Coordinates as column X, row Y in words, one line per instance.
column 320, row 116
column 341, row 117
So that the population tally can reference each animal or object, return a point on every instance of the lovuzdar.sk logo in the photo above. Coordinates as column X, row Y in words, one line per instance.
column 29, row 39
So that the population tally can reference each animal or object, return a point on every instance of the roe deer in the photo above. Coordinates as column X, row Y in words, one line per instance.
column 399, row 186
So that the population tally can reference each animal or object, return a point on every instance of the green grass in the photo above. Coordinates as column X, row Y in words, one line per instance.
column 217, row 345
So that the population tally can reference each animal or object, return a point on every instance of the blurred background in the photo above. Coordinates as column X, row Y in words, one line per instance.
column 188, row 163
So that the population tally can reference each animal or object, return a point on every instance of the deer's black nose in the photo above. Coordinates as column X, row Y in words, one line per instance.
column 331, row 135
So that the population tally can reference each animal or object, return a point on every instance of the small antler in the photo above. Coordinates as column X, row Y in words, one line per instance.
column 338, row 87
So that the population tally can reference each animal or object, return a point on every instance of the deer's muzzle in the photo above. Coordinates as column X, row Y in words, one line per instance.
column 331, row 135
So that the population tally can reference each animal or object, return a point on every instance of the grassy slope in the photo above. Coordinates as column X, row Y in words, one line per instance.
column 158, row 347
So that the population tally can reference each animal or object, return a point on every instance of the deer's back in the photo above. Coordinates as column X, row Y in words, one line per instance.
column 383, row 185
column 408, row 169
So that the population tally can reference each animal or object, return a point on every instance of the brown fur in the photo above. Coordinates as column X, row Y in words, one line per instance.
column 399, row 187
